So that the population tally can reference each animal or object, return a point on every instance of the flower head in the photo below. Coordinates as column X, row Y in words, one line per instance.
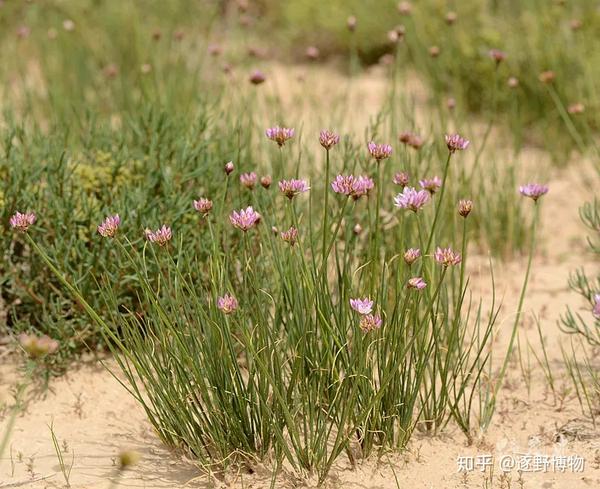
column 352, row 186
column 328, row 139
column 576, row 108
column 38, row 346
column 416, row 283
column 161, row 236
column 248, row 180
column 405, row 8
column 244, row 219
column 290, row 236
column 533, row 190
column 432, row 185
column 351, row 23
column 257, row 77
column 411, row 255
column 497, row 55
column 228, row 168
column 227, row 303
column 465, row 207
column 411, row 139
column 362, row 306
column 456, row 142
column 451, row 17
column 547, row 76
column 203, row 206
column 379, row 151
column 512, row 82
column 596, row 308
column 370, row 322
column 357, row 229
column 312, row 52
column 21, row 222
column 412, row 199
column 280, row 134
column 293, row 187
column 109, row 226
column 401, row 179
column 266, row 181
column 447, row 257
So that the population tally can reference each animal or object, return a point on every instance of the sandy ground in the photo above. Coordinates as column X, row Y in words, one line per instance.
column 95, row 418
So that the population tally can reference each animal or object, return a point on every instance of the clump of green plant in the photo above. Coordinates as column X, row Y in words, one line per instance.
column 296, row 336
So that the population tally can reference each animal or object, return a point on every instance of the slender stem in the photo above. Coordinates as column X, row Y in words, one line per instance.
column 326, row 206
column 439, row 204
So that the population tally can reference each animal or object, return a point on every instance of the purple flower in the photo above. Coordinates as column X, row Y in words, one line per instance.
column 362, row 306
column 293, row 187
column 411, row 255
column 109, row 226
column 447, row 257
column 248, row 180
column 379, row 151
column 290, row 236
column 416, row 283
column 352, row 186
column 257, row 77
column 401, row 179
column 227, row 303
column 596, row 308
column 244, row 219
column 465, row 207
column 533, row 190
column 456, row 143
column 328, row 139
column 280, row 134
column 161, row 236
column 21, row 222
column 370, row 322
column 203, row 206
column 412, row 199
column 432, row 185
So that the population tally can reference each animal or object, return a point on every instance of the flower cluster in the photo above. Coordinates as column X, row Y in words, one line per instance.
column 432, row 185
column 244, row 219
column 227, row 303
column 465, row 207
column 290, row 236
column 293, row 187
column 412, row 199
column 328, row 139
column 411, row 139
column 161, row 236
column 401, row 179
column 456, row 143
column 248, row 180
column 362, row 306
column 352, row 186
column 370, row 322
column 416, row 283
column 203, row 206
column 108, row 228
column 280, row 134
column 447, row 257
column 38, row 346
column 533, row 190
column 379, row 151
column 21, row 222
column 411, row 255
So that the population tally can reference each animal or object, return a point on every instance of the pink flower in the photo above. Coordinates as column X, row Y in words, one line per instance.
column 401, row 179
column 228, row 167
column 416, row 283
column 244, row 219
column 312, row 52
column 533, row 190
column 362, row 306
column 109, row 226
column 497, row 55
column 257, row 77
column 465, row 207
column 411, row 139
column 352, row 186
column 248, row 180
column 456, row 143
column 21, row 222
column 596, row 308
column 379, row 151
column 370, row 322
column 432, row 185
column 412, row 199
column 161, row 236
column 411, row 255
column 280, row 134
column 203, row 206
column 227, row 303
column 293, row 187
column 328, row 139
column 266, row 181
column 447, row 257
column 38, row 346
column 290, row 236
